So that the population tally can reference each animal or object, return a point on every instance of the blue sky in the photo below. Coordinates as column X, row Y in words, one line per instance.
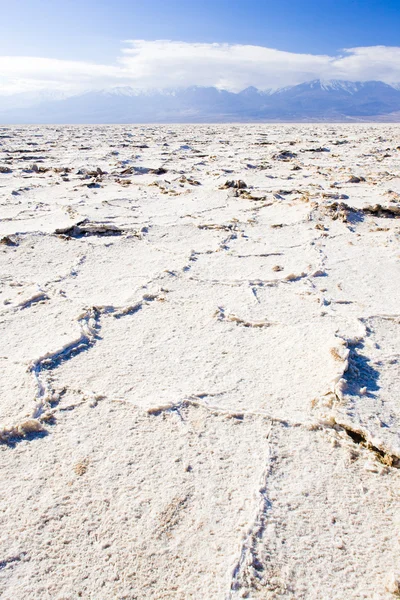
column 93, row 29
column 87, row 31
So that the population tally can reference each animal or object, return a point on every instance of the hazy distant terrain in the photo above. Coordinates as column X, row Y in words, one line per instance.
column 199, row 360
column 313, row 101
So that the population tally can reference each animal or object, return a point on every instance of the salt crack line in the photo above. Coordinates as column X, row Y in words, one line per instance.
column 360, row 435
column 46, row 398
column 89, row 325
column 39, row 296
column 34, row 299
column 221, row 315
column 248, row 552
column 195, row 400
column 291, row 278
column 386, row 453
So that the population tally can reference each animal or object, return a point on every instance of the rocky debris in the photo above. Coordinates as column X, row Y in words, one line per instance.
column 189, row 180
column 287, row 192
column 216, row 226
column 320, row 149
column 392, row 212
column 165, row 187
column 238, row 185
column 95, row 183
column 394, row 196
column 35, row 158
column 8, row 240
column 342, row 211
column 36, row 169
column 245, row 194
column 285, row 155
column 143, row 171
column 159, row 171
column 5, row 169
column 338, row 210
column 334, row 196
column 25, row 151
column 91, row 173
column 62, row 170
column 355, row 179
column 127, row 171
column 86, row 228
column 27, row 427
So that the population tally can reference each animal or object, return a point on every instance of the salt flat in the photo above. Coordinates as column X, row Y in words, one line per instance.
column 200, row 346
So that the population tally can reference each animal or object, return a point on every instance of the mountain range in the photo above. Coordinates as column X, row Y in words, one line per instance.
column 317, row 100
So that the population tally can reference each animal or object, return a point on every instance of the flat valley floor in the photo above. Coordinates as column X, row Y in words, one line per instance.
column 199, row 362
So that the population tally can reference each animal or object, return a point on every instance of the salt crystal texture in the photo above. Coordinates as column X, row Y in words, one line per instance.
column 199, row 375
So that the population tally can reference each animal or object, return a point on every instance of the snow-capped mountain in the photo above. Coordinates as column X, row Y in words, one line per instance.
column 132, row 92
column 336, row 100
column 350, row 87
column 316, row 100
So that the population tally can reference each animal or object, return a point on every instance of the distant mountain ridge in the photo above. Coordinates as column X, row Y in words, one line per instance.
column 317, row 100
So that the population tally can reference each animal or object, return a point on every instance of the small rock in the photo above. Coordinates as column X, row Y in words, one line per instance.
column 354, row 179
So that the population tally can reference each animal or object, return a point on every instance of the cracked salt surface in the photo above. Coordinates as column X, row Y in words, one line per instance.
column 199, row 382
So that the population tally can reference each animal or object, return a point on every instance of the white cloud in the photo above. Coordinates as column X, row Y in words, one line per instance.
column 369, row 63
column 164, row 63
column 233, row 67
column 23, row 73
